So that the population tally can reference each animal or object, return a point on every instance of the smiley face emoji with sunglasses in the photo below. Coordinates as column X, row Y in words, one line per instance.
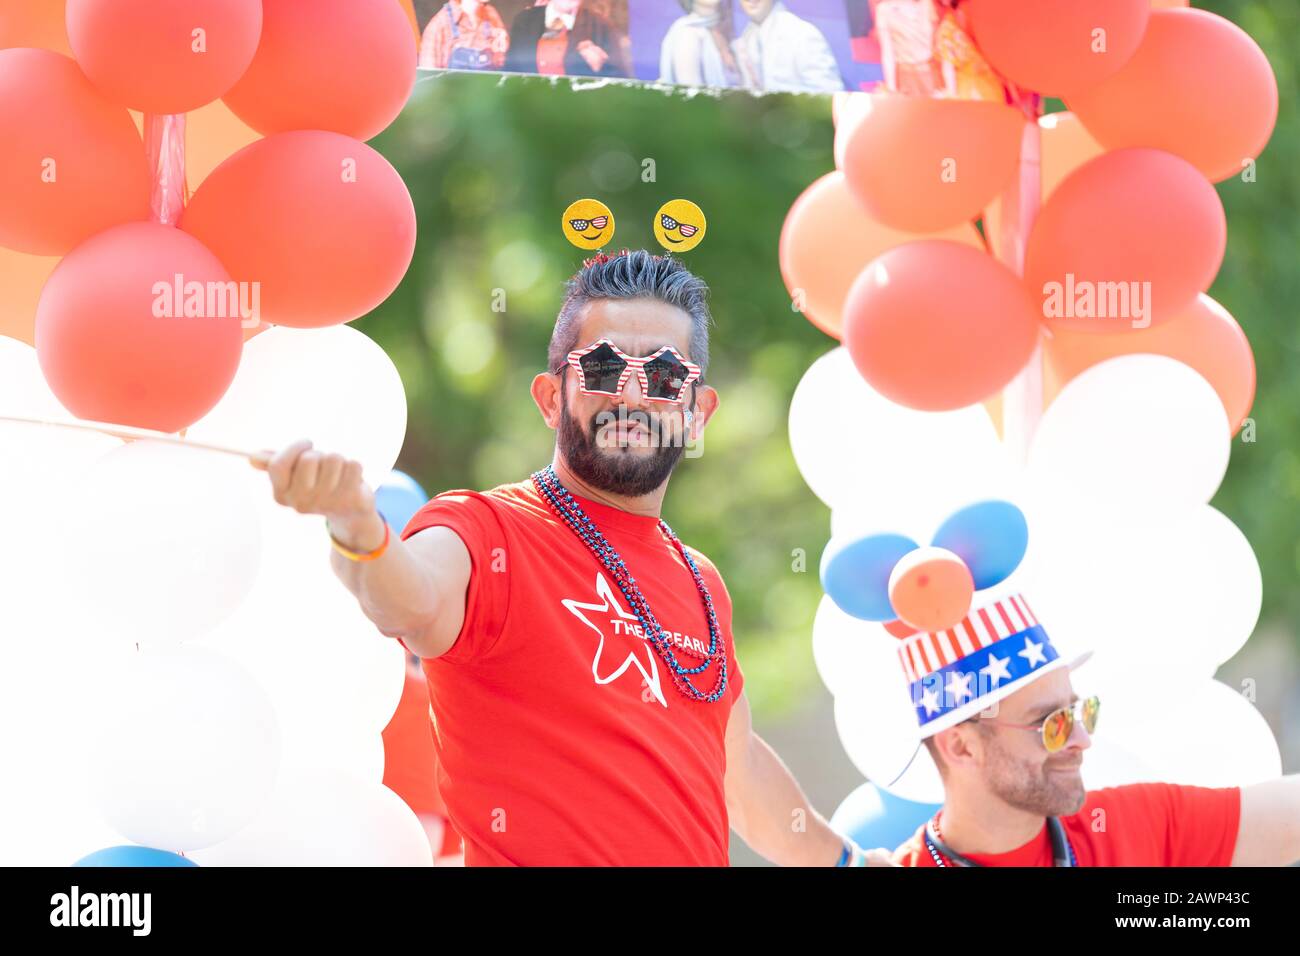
column 588, row 224
column 679, row 225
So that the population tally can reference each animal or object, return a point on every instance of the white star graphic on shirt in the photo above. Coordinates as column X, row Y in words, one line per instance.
column 1032, row 652
column 959, row 685
column 610, row 602
column 930, row 700
column 996, row 669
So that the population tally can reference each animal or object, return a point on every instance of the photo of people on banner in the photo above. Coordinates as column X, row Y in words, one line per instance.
column 805, row 46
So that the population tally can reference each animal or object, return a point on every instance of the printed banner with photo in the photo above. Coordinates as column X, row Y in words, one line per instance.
column 808, row 46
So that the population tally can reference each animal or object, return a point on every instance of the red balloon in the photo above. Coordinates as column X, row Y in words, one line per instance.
column 1198, row 87
column 1127, row 240
column 71, row 163
column 164, row 56
column 1057, row 46
column 122, row 339
column 945, row 159
column 937, row 325
column 322, row 222
column 342, row 65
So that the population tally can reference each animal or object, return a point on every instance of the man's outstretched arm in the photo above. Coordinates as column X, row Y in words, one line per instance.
column 415, row 591
column 768, row 809
column 1269, row 832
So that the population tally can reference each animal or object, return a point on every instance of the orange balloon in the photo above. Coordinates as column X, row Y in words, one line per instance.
column 921, row 165
column 212, row 135
column 21, row 279
column 322, row 222
column 347, row 66
column 1066, row 145
column 164, row 56
column 1128, row 239
column 1198, row 87
column 931, row 589
column 34, row 23
column 71, row 164
column 1053, row 46
column 828, row 239
column 937, row 325
column 1169, row 4
column 1203, row 336
column 119, row 342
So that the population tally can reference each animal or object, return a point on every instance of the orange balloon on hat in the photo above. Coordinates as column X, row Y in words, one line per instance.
column 826, row 242
column 1204, row 336
column 921, row 165
column 1198, row 87
column 931, row 589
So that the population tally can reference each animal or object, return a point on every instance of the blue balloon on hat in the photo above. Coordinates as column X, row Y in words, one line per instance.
column 133, row 856
column 990, row 536
column 874, row 817
column 856, row 573
column 398, row 499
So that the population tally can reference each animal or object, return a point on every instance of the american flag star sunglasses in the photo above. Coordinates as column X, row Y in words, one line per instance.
column 580, row 225
column 669, row 224
column 604, row 369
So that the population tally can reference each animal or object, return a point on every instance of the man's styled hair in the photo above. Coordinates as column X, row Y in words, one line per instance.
column 632, row 274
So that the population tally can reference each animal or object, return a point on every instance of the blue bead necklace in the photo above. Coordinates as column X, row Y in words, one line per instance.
column 571, row 513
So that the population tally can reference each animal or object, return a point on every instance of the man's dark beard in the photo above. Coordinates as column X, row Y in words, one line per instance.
column 614, row 469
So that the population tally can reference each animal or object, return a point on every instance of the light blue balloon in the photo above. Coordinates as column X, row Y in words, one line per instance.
column 133, row 856
column 990, row 536
column 398, row 499
column 874, row 817
column 856, row 574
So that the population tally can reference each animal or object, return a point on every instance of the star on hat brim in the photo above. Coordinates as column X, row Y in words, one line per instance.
column 973, row 707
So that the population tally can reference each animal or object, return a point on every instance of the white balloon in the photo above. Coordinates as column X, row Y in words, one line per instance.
column 1137, row 433
column 333, row 386
column 840, row 647
column 885, row 751
column 182, row 747
column 879, row 464
column 47, row 815
column 327, row 818
column 155, row 546
column 873, row 710
column 1158, row 594
column 1201, row 733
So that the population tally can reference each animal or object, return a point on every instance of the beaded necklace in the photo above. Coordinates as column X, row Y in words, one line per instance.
column 571, row 513
column 1060, row 841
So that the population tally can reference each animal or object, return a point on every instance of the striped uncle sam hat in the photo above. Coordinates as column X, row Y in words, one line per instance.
column 958, row 672
column 962, row 651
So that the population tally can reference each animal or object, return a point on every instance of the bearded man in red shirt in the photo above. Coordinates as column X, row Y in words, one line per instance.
column 586, row 697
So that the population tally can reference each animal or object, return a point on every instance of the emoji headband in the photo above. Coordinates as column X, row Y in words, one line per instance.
column 678, row 225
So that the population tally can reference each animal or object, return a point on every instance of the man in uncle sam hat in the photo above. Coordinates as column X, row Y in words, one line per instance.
column 998, row 712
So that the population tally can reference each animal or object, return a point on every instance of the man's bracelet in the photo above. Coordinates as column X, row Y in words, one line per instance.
column 357, row 555
column 852, row 854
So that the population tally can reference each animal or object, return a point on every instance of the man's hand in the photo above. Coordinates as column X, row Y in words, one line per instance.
column 593, row 54
column 322, row 483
